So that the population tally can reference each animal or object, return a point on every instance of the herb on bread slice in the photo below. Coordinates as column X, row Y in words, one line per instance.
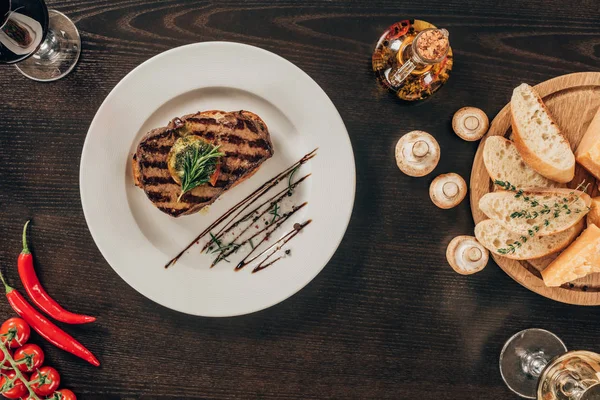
column 503, row 162
column 537, row 137
column 537, row 211
column 580, row 259
column 494, row 237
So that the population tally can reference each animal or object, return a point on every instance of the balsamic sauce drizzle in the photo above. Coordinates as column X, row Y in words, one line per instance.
column 275, row 246
column 269, row 230
column 245, row 204
column 276, row 199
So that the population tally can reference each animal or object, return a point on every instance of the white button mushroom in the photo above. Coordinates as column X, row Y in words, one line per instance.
column 417, row 153
column 470, row 123
column 448, row 190
column 466, row 255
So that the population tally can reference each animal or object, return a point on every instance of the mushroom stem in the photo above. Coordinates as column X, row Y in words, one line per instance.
column 450, row 189
column 471, row 123
column 420, row 148
column 474, row 254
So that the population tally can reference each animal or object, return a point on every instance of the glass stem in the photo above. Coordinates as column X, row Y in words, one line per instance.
column 50, row 47
column 533, row 363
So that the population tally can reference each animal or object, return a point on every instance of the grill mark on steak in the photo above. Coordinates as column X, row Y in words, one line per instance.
column 164, row 134
column 253, row 158
column 221, row 183
column 254, row 144
column 155, row 148
column 192, row 198
column 239, row 124
column 154, row 164
column 205, row 121
column 250, row 125
column 158, row 197
column 157, row 180
column 233, row 171
column 204, row 134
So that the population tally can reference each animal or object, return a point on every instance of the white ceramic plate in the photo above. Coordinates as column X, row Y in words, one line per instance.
column 137, row 239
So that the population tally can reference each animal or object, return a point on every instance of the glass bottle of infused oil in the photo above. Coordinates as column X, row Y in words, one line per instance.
column 413, row 59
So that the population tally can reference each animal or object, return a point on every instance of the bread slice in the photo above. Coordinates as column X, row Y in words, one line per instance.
column 494, row 236
column 588, row 151
column 518, row 215
column 537, row 137
column 578, row 260
column 503, row 162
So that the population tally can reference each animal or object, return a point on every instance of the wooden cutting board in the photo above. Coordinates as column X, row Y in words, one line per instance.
column 572, row 100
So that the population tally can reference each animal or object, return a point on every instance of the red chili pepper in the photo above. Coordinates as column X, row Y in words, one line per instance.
column 37, row 293
column 215, row 175
column 45, row 328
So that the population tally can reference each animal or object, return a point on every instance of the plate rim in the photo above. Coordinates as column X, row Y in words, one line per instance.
column 351, row 169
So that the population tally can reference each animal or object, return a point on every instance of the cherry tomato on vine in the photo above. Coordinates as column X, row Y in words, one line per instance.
column 14, row 391
column 14, row 332
column 63, row 394
column 45, row 381
column 29, row 357
column 4, row 364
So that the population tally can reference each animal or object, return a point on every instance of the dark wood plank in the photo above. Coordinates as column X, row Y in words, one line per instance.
column 387, row 318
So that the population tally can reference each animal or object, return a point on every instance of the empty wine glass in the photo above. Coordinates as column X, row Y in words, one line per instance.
column 535, row 364
column 44, row 45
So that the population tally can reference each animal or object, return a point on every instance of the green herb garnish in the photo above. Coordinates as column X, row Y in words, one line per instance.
column 196, row 164
column 290, row 187
column 556, row 210
column 275, row 212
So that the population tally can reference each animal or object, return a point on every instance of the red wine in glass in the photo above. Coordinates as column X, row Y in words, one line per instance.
column 44, row 45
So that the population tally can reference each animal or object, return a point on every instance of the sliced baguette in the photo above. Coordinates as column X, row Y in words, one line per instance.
column 537, row 137
column 503, row 162
column 494, row 236
column 501, row 206
column 578, row 260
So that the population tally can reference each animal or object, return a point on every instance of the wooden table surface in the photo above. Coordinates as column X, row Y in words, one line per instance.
column 387, row 318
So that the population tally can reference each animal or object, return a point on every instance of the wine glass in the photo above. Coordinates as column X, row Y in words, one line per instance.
column 44, row 45
column 535, row 364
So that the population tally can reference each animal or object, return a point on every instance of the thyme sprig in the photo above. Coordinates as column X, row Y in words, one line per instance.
column 563, row 205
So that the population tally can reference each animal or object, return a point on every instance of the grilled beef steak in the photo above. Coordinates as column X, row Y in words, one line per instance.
column 242, row 137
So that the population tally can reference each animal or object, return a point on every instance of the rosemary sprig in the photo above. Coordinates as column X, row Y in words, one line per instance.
column 213, row 239
column 275, row 212
column 290, row 186
column 223, row 249
column 196, row 164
